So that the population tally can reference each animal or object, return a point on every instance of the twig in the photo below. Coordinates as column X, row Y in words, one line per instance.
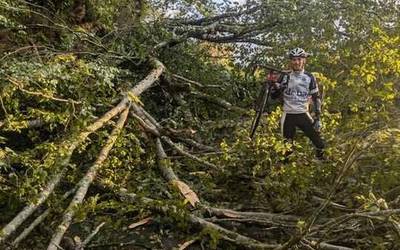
column 148, row 127
column 20, row 49
column 19, row 86
column 2, row 106
column 186, row 244
column 231, row 236
column 351, row 158
column 90, row 237
column 119, row 245
column 30, row 208
column 219, row 101
column 226, row 234
column 188, row 80
column 197, row 144
column 184, row 153
column 272, row 218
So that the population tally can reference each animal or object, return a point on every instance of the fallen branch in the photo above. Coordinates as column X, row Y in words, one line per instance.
column 219, row 101
column 169, row 175
column 90, row 237
column 30, row 208
column 351, row 159
column 226, row 234
column 85, row 182
column 195, row 144
column 71, row 145
column 327, row 246
column 29, row 229
column 184, row 153
column 187, row 80
column 276, row 219
column 36, row 222
column 156, row 129
column 148, row 127
column 332, row 204
column 231, row 236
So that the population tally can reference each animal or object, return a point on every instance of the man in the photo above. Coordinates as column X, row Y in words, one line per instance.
column 296, row 88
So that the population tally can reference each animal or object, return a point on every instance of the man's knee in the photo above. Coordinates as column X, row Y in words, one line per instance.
column 320, row 144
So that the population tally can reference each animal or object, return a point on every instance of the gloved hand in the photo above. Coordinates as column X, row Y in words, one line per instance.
column 272, row 79
column 273, row 84
column 317, row 125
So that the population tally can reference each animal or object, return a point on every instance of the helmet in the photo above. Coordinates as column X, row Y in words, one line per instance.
column 298, row 52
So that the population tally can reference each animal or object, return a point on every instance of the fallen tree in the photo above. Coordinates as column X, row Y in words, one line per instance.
column 179, row 161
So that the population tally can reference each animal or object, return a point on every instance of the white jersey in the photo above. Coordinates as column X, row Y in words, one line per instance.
column 297, row 88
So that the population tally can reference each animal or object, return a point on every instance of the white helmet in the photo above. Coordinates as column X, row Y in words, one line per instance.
column 298, row 52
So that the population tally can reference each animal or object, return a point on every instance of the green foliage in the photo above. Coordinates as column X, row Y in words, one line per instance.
column 67, row 75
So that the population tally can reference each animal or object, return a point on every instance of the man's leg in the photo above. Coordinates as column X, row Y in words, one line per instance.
column 288, row 128
column 305, row 124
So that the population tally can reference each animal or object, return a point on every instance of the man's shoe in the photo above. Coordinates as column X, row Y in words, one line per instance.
column 320, row 155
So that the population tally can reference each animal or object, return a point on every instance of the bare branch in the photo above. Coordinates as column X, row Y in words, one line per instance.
column 187, row 80
column 208, row 20
column 231, row 236
column 272, row 218
column 195, row 144
column 219, row 101
column 30, row 208
column 184, row 153
column 32, row 226
column 36, row 222
column 90, row 237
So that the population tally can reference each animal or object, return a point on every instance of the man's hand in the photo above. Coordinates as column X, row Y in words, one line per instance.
column 273, row 84
column 272, row 79
column 317, row 125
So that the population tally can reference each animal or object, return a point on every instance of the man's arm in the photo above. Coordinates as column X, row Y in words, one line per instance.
column 316, row 104
column 278, row 86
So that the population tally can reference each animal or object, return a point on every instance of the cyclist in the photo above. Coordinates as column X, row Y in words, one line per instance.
column 296, row 88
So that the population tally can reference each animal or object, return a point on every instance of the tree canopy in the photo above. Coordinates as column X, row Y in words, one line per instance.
column 125, row 124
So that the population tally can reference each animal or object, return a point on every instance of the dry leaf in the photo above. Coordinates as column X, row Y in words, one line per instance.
column 186, row 192
column 139, row 223
column 77, row 240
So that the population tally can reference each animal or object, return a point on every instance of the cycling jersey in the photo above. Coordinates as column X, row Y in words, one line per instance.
column 296, row 88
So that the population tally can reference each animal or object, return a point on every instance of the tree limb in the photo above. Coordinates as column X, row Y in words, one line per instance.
column 219, row 101
column 36, row 222
column 71, row 144
column 184, row 153
column 85, row 182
